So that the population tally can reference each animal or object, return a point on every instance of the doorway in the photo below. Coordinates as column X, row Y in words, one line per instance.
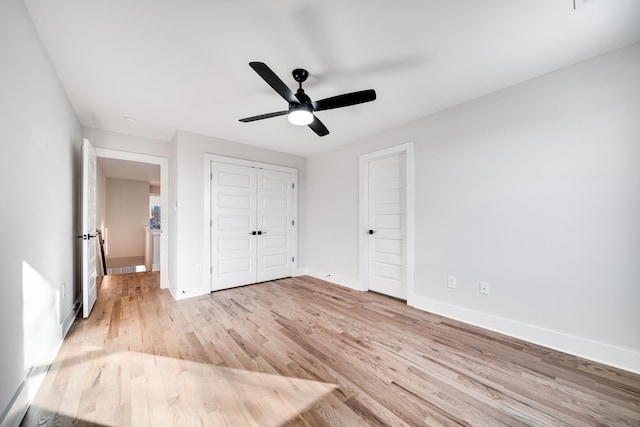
column 132, row 164
column 386, row 221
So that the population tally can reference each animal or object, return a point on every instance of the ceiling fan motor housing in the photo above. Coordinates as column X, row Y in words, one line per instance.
column 303, row 98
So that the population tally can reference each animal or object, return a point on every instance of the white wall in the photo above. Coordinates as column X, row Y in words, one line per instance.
column 127, row 215
column 172, row 214
column 39, row 169
column 535, row 189
column 101, row 198
column 187, row 192
column 101, row 214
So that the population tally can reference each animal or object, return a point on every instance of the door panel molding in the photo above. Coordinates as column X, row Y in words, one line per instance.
column 363, row 224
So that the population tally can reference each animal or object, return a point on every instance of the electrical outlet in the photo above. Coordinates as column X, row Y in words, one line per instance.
column 484, row 288
column 451, row 282
column 331, row 259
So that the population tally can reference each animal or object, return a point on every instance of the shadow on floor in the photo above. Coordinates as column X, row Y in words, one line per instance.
column 42, row 417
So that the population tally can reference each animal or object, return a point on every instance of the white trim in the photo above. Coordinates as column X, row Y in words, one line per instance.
column 26, row 392
column 598, row 352
column 206, row 230
column 343, row 281
column 179, row 294
column 18, row 406
column 163, row 162
column 71, row 317
column 406, row 148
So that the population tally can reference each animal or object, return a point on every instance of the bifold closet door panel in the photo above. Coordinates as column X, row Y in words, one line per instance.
column 274, row 246
column 233, row 219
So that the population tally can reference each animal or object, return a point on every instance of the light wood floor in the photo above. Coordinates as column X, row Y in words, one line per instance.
column 303, row 352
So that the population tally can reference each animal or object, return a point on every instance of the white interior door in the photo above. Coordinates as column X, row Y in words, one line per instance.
column 387, row 225
column 274, row 248
column 89, row 248
column 233, row 221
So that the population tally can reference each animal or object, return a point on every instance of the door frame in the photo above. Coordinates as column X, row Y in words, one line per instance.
column 163, row 162
column 208, row 159
column 363, row 222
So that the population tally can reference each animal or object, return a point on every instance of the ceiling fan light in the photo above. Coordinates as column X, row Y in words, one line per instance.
column 300, row 116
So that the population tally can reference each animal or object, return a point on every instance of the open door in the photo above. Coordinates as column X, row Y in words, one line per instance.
column 89, row 249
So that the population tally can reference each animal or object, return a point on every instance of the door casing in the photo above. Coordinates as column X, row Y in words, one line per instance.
column 163, row 162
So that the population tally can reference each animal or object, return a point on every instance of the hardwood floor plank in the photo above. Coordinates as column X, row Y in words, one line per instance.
column 303, row 352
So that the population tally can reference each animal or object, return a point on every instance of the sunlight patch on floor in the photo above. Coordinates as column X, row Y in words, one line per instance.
column 137, row 389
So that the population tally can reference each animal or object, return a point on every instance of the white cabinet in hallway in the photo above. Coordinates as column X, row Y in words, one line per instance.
column 152, row 249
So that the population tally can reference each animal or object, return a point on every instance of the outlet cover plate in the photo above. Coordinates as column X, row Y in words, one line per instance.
column 484, row 288
column 451, row 282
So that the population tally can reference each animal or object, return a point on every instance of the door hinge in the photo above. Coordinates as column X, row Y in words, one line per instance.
column 293, row 222
column 293, row 185
column 210, row 223
column 211, row 176
column 293, row 259
column 210, row 270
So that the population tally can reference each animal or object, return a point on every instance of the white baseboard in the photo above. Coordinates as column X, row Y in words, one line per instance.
column 17, row 407
column 598, row 352
column 179, row 294
column 29, row 387
column 345, row 281
column 68, row 321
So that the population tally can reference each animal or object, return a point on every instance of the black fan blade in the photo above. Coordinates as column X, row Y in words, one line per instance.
column 318, row 127
column 345, row 100
column 274, row 81
column 264, row 116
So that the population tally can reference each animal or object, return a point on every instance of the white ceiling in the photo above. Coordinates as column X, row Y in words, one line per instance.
column 183, row 64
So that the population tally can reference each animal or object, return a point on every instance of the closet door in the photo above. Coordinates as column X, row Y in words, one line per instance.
column 233, row 219
column 387, row 225
column 274, row 244
column 252, row 225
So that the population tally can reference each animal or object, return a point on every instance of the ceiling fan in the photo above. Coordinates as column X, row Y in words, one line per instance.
column 301, row 107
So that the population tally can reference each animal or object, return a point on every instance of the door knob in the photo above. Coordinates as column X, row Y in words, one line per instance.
column 86, row 236
column 372, row 231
